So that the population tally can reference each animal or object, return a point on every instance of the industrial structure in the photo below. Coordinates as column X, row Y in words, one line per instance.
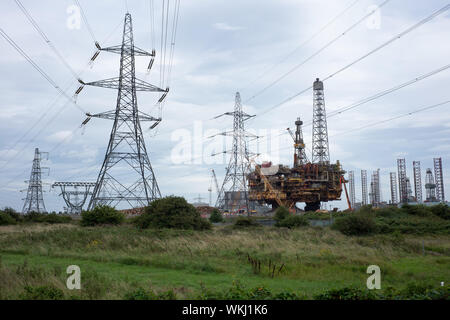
column 393, row 184
column 375, row 190
column 75, row 194
column 417, row 181
column 351, row 183
column 364, row 200
column 233, row 194
column 126, row 177
column 430, row 187
column 309, row 182
column 34, row 201
column 402, row 180
column 439, row 178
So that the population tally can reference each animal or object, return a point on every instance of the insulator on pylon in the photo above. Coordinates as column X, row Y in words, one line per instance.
column 98, row 45
column 81, row 81
column 79, row 89
column 155, row 124
column 150, row 64
column 86, row 121
column 163, row 96
column 95, row 56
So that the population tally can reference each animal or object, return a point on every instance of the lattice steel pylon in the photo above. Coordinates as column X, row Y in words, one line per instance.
column 364, row 199
column 34, row 201
column 233, row 193
column 430, row 186
column 126, row 175
column 320, row 147
column 417, row 181
column 401, row 168
column 351, row 181
column 394, row 192
column 438, row 176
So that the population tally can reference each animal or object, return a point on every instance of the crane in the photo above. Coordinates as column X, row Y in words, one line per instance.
column 299, row 145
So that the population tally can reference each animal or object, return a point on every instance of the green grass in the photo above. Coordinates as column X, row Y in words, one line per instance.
column 119, row 259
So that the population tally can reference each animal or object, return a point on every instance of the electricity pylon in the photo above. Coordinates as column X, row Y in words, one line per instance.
column 77, row 196
column 34, row 202
column 126, row 175
column 233, row 194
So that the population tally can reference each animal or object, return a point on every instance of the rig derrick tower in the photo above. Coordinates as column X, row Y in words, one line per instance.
column 351, row 181
column 34, row 201
column 126, row 176
column 417, row 181
column 394, row 192
column 430, row 186
column 320, row 147
column 402, row 180
column 233, row 194
column 438, row 176
column 364, row 197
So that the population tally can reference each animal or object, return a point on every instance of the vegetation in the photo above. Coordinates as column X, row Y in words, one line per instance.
column 292, row 222
column 281, row 213
column 245, row 222
column 215, row 216
column 100, row 215
column 355, row 224
column 6, row 219
column 9, row 216
column 173, row 213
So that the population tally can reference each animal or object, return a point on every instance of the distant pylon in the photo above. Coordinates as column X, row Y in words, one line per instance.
column 320, row 147
column 364, row 200
column 394, row 192
column 233, row 194
column 126, row 175
column 351, row 182
column 417, row 181
column 34, row 201
column 438, row 176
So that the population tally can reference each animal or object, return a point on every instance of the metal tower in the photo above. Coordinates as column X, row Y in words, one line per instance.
column 126, row 175
column 75, row 198
column 401, row 168
column 351, row 181
column 364, row 200
column 320, row 147
column 394, row 192
column 233, row 194
column 430, row 186
column 439, row 179
column 34, row 202
column 299, row 144
column 417, row 181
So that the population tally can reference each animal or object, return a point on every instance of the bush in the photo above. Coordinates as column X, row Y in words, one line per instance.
column 12, row 213
column 292, row 222
column 172, row 212
column 54, row 218
column 245, row 222
column 5, row 219
column 355, row 224
column 102, row 215
column 348, row 293
column 142, row 294
column 42, row 293
column 216, row 216
column 417, row 210
column 441, row 210
column 281, row 213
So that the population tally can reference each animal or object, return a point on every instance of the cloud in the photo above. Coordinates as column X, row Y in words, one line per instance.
column 226, row 27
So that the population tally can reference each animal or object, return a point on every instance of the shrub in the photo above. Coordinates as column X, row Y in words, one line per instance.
column 441, row 210
column 42, row 293
column 355, row 224
column 172, row 212
column 101, row 215
column 216, row 216
column 281, row 213
column 292, row 222
column 54, row 218
column 348, row 293
column 245, row 222
column 142, row 294
column 13, row 214
column 5, row 219
column 417, row 210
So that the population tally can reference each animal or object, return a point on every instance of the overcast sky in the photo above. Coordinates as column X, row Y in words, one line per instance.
column 223, row 47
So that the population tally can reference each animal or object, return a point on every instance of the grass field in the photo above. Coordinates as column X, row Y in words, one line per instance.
column 117, row 261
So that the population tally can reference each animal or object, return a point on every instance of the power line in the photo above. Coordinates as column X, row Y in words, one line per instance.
column 317, row 52
column 398, row 36
column 83, row 16
column 44, row 36
column 301, row 45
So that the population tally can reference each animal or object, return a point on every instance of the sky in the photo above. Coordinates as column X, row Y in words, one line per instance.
column 224, row 47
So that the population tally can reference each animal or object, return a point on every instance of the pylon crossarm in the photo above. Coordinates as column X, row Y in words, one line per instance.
column 137, row 51
column 114, row 83
column 112, row 114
